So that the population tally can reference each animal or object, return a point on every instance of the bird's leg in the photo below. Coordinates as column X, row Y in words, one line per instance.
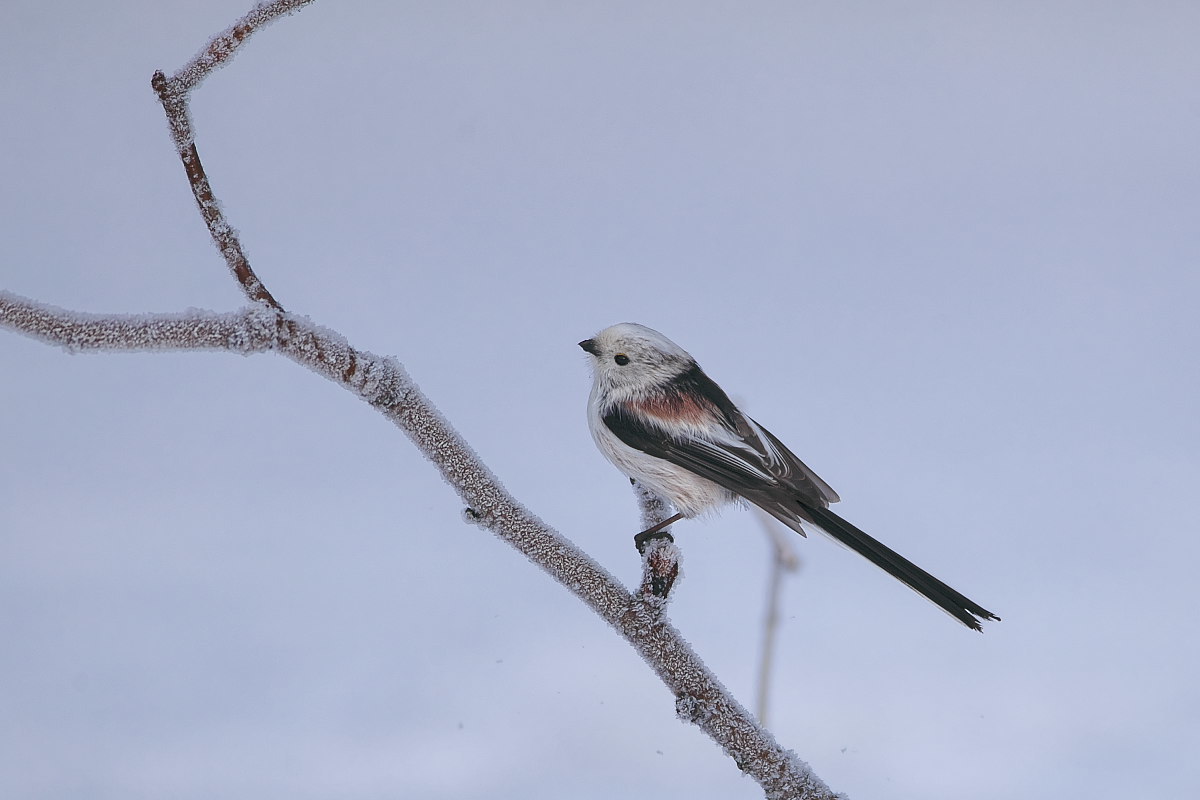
column 654, row 533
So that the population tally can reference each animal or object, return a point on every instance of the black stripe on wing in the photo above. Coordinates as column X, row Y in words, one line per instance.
column 746, row 459
column 725, row 467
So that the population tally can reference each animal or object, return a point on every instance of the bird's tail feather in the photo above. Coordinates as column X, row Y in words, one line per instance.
column 954, row 603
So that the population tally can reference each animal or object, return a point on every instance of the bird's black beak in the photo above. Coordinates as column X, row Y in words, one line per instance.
column 589, row 345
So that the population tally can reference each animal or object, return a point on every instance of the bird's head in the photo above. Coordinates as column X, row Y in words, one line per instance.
column 631, row 360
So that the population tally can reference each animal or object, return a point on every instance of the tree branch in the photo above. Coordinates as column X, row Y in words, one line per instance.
column 783, row 559
column 174, row 94
column 660, row 558
column 248, row 330
column 384, row 384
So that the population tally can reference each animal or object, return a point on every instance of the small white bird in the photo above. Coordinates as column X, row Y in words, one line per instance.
column 659, row 419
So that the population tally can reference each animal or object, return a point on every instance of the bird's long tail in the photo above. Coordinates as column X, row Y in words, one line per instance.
column 954, row 603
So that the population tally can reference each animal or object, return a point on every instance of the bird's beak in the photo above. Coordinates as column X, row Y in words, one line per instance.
column 589, row 345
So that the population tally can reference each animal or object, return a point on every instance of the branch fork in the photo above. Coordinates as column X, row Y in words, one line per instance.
column 383, row 383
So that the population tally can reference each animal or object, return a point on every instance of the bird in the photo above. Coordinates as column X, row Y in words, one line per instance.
column 656, row 415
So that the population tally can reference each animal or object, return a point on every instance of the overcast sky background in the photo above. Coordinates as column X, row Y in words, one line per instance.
column 949, row 253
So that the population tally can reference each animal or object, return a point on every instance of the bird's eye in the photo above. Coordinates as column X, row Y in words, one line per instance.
column 621, row 359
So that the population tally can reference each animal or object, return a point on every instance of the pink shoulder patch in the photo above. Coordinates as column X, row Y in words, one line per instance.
column 675, row 408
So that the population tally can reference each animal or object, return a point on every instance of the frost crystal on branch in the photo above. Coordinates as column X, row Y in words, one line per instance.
column 222, row 47
column 248, row 330
column 654, row 509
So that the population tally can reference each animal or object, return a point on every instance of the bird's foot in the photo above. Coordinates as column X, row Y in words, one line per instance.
column 645, row 537
column 656, row 532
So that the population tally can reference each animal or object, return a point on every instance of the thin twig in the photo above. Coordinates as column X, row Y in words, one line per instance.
column 222, row 47
column 783, row 559
column 174, row 93
column 175, row 104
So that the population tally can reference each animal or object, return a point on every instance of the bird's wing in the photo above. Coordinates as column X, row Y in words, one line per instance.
column 694, row 424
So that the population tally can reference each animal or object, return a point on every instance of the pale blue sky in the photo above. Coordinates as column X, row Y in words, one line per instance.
column 948, row 253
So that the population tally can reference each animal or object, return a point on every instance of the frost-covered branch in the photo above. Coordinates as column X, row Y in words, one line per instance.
column 660, row 556
column 222, row 47
column 175, row 92
column 654, row 509
column 248, row 330
column 383, row 383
